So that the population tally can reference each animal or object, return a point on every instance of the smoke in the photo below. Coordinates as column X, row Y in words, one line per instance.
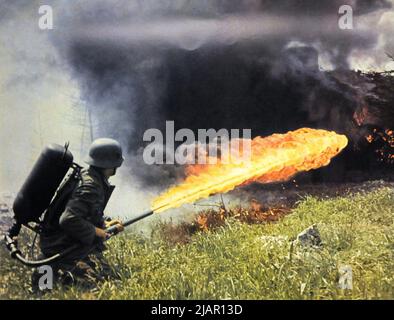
column 39, row 101
column 252, row 65
column 117, row 68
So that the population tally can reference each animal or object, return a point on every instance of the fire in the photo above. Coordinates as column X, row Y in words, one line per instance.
column 369, row 138
column 275, row 158
column 385, row 138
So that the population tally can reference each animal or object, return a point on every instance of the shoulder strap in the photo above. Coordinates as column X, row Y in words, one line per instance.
column 59, row 202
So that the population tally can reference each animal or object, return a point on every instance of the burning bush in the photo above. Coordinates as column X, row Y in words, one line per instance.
column 212, row 219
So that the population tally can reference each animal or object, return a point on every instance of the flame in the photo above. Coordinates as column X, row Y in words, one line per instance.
column 275, row 158
column 385, row 151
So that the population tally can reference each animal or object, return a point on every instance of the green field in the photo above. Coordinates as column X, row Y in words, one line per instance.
column 251, row 261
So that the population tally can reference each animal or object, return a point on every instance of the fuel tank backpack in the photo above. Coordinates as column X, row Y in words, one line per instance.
column 36, row 194
column 42, row 198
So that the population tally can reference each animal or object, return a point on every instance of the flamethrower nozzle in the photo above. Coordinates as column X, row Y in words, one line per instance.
column 114, row 230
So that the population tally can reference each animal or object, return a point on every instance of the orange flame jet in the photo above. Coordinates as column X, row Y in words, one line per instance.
column 275, row 158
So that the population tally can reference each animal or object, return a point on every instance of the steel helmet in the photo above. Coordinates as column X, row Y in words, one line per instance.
column 105, row 153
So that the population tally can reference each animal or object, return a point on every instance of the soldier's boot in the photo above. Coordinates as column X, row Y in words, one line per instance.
column 85, row 275
column 65, row 278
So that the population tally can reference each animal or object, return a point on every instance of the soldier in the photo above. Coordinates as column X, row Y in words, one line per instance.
column 83, row 221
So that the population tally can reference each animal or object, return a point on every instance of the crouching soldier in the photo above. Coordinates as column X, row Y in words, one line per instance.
column 83, row 222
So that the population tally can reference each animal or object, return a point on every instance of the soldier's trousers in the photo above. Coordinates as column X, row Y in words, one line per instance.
column 86, row 271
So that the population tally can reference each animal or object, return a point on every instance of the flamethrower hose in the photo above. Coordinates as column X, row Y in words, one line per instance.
column 12, row 246
column 15, row 253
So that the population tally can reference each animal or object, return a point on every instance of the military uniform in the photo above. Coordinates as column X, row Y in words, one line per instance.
column 83, row 212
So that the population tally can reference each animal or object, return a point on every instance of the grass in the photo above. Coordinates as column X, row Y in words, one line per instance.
column 251, row 261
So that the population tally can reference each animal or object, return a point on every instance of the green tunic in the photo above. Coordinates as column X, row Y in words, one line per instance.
column 83, row 212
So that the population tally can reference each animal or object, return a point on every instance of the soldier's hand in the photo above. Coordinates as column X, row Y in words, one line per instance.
column 112, row 222
column 119, row 226
column 101, row 233
column 116, row 223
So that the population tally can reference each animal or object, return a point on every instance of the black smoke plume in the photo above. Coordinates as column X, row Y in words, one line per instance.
column 254, row 65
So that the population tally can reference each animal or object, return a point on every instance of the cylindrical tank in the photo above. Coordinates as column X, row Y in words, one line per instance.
column 40, row 186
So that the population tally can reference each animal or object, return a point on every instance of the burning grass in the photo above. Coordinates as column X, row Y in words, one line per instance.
column 251, row 261
column 212, row 219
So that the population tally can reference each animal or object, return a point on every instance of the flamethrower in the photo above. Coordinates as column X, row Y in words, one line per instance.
column 274, row 158
column 44, row 196
column 12, row 244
